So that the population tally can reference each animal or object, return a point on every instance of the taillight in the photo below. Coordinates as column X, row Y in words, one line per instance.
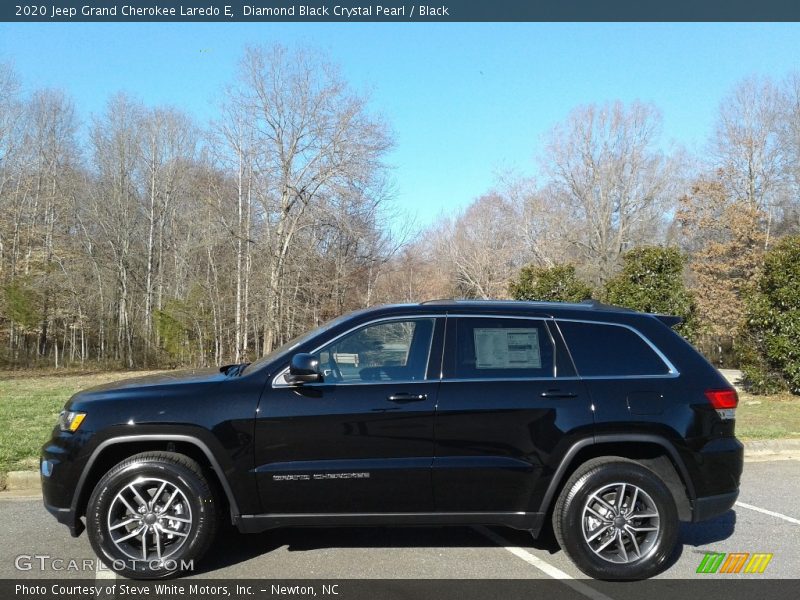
column 725, row 401
column 723, row 398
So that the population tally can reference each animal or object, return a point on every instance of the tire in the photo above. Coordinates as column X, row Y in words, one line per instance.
column 602, row 543
column 165, row 493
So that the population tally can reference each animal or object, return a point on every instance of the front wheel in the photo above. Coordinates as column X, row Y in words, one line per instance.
column 152, row 515
column 616, row 519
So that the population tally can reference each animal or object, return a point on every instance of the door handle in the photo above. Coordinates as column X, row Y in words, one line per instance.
column 557, row 394
column 404, row 397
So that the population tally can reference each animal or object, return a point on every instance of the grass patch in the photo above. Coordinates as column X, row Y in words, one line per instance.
column 768, row 417
column 29, row 406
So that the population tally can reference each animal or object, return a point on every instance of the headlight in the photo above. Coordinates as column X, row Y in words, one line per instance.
column 70, row 420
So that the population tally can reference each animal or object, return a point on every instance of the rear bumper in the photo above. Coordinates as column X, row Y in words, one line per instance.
column 716, row 468
column 708, row 507
column 714, row 472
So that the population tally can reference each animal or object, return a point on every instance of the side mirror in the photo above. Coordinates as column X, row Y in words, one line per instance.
column 304, row 368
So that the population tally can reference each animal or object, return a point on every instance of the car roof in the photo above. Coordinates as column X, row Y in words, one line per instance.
column 588, row 309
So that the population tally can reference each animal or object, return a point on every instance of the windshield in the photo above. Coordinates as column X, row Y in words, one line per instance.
column 293, row 343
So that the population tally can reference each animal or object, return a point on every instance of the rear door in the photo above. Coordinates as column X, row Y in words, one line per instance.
column 507, row 397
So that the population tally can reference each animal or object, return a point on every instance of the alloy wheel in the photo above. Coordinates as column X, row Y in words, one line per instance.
column 149, row 519
column 620, row 523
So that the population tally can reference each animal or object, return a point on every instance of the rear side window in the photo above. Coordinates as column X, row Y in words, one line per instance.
column 610, row 350
column 502, row 348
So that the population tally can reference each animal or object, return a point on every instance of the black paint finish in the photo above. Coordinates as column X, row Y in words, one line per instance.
column 443, row 449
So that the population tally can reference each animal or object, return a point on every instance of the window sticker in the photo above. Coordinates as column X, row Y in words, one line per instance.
column 516, row 348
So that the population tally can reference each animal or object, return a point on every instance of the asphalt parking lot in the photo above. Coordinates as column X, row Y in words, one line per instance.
column 766, row 519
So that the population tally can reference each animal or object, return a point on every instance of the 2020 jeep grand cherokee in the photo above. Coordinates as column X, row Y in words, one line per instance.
column 601, row 419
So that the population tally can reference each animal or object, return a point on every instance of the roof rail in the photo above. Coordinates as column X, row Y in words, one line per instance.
column 669, row 320
column 593, row 304
column 597, row 305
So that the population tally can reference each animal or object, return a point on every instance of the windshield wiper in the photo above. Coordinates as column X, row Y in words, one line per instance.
column 234, row 369
column 240, row 368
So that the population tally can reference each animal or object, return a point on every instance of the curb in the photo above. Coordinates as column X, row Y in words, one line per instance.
column 784, row 448
column 19, row 481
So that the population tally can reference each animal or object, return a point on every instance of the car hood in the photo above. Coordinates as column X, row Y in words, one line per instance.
column 188, row 376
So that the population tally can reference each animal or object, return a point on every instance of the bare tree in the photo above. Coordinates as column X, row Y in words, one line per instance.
column 484, row 246
column 606, row 169
column 543, row 221
column 789, row 143
column 51, row 141
column 236, row 134
column 313, row 135
column 155, row 244
column 12, row 131
column 746, row 147
column 168, row 149
column 117, row 146
column 10, row 128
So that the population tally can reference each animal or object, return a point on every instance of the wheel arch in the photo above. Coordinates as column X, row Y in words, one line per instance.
column 652, row 451
column 115, row 449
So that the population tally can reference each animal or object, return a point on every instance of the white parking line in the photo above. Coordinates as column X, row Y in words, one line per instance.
column 544, row 566
column 769, row 512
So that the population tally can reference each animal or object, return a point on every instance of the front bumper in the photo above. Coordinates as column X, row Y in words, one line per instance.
column 59, row 471
column 66, row 516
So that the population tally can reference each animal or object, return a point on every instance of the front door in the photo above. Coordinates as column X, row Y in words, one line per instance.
column 361, row 441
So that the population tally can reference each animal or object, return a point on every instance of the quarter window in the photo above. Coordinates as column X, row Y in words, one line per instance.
column 387, row 351
column 610, row 350
column 502, row 348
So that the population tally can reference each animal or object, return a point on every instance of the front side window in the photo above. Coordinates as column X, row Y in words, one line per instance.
column 601, row 350
column 502, row 348
column 387, row 351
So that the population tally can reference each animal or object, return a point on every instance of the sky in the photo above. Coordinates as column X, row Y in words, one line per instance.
column 466, row 102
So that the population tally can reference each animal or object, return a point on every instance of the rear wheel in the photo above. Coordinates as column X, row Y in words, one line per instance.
column 616, row 519
column 152, row 515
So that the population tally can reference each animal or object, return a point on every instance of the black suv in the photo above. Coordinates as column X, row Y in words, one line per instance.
column 599, row 419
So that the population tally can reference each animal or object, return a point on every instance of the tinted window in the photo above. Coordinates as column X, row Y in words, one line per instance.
column 610, row 350
column 502, row 348
column 388, row 351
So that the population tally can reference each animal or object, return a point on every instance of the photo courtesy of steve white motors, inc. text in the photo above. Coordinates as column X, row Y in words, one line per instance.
column 317, row 11
column 195, row 590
